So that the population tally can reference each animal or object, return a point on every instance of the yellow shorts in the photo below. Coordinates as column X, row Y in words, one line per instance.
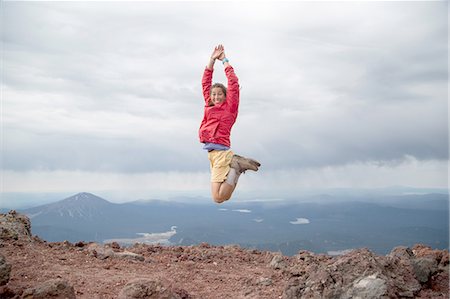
column 220, row 164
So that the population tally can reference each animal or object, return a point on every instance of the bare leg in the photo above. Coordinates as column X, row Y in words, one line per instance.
column 221, row 191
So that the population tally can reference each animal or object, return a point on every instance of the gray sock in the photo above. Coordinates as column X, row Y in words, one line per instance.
column 232, row 177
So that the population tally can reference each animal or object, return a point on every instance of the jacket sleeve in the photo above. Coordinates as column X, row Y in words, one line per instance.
column 206, row 85
column 232, row 89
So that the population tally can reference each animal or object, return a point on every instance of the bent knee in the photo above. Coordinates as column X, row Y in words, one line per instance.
column 220, row 199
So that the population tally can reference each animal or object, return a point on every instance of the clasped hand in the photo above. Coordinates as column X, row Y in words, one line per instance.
column 218, row 53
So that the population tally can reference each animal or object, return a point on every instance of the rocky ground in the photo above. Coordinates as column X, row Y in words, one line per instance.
column 33, row 268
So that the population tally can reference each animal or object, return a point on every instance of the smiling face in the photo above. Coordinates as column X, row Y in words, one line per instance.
column 218, row 96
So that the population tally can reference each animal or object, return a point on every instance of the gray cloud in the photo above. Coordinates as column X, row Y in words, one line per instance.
column 114, row 87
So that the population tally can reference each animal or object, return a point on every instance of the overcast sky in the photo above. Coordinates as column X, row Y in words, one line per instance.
column 106, row 96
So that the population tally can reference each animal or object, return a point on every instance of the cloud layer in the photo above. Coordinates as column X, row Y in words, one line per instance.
column 114, row 88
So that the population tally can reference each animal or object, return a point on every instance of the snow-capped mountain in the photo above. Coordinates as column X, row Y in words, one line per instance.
column 88, row 217
column 81, row 205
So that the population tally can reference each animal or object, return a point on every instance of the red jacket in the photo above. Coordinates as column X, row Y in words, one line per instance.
column 219, row 119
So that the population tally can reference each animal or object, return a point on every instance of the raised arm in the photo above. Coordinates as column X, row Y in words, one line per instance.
column 207, row 74
column 206, row 85
column 233, row 82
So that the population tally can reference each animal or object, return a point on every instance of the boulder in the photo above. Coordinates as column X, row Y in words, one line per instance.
column 278, row 262
column 369, row 287
column 402, row 253
column 357, row 274
column 104, row 252
column 424, row 268
column 129, row 255
column 14, row 226
column 5, row 271
column 401, row 271
column 149, row 289
column 55, row 288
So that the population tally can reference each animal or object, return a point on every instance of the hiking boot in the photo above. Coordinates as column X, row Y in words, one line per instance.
column 241, row 164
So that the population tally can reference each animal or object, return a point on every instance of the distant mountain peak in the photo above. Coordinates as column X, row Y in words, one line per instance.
column 81, row 205
column 84, row 194
column 85, row 197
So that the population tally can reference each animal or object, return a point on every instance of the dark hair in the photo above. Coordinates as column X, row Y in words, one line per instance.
column 221, row 86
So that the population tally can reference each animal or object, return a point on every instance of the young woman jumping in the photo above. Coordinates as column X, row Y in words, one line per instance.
column 220, row 113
